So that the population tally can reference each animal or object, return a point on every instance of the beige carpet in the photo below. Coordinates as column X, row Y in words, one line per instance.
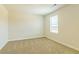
column 36, row 46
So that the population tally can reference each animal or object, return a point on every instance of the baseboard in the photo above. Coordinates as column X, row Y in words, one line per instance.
column 3, row 45
column 65, row 44
column 25, row 38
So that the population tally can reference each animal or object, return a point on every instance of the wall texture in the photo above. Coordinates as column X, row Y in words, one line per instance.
column 3, row 26
column 24, row 25
column 68, row 18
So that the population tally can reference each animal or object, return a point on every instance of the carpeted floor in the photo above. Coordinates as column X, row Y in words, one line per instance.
column 36, row 46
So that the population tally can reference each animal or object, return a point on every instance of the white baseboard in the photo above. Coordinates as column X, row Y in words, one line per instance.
column 3, row 45
column 19, row 39
column 63, row 43
column 25, row 38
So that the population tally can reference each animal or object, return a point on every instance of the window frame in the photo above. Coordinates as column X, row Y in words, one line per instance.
column 55, row 25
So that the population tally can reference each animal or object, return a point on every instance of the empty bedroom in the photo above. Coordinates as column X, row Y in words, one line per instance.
column 39, row 29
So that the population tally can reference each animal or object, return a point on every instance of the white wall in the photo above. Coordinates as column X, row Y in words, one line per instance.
column 3, row 26
column 24, row 25
column 68, row 26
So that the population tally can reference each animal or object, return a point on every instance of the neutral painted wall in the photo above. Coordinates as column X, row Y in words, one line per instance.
column 24, row 25
column 3, row 26
column 68, row 26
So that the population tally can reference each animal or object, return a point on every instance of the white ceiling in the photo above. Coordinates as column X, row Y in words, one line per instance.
column 39, row 9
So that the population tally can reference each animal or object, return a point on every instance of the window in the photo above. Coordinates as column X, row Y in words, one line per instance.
column 54, row 24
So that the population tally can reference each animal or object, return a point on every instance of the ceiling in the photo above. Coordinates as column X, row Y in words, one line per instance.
column 39, row 9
